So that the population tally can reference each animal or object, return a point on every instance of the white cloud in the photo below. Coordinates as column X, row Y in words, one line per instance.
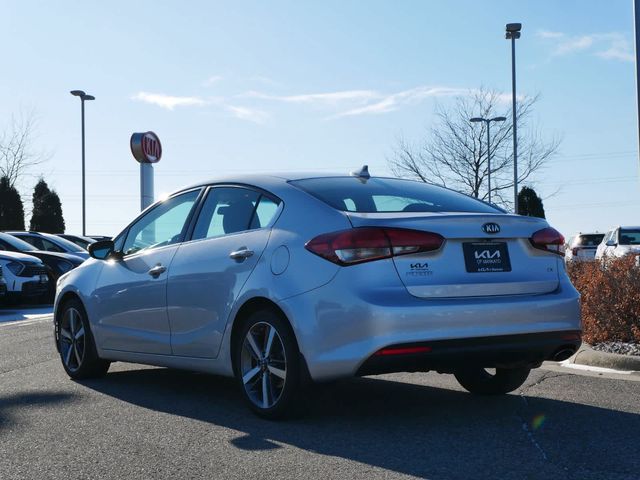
column 249, row 114
column 610, row 46
column 360, row 102
column 574, row 44
column 342, row 103
column 331, row 98
column 212, row 80
column 413, row 96
column 168, row 102
column 549, row 34
column 618, row 50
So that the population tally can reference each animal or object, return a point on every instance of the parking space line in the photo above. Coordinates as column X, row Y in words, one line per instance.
column 28, row 321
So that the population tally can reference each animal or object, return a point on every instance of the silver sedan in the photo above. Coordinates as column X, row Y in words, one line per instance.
column 282, row 280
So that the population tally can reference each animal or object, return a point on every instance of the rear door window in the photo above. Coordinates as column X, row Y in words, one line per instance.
column 228, row 210
column 352, row 194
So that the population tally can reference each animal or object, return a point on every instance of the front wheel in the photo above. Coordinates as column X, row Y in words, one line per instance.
column 76, row 344
column 266, row 364
column 497, row 381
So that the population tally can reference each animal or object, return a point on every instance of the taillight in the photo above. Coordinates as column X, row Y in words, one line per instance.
column 548, row 239
column 364, row 244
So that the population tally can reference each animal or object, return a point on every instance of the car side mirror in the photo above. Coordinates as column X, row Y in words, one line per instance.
column 611, row 243
column 102, row 250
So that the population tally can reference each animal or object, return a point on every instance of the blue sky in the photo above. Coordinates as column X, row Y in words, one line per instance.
column 259, row 86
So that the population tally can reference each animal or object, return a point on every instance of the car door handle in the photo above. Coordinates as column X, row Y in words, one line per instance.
column 241, row 254
column 156, row 271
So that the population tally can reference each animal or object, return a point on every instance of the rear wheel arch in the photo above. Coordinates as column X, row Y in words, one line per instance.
column 249, row 307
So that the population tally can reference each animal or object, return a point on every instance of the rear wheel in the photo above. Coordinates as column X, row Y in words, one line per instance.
column 266, row 364
column 496, row 381
column 76, row 344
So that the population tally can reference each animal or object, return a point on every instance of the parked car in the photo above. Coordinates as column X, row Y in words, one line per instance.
column 25, row 275
column 618, row 242
column 3, row 286
column 79, row 240
column 57, row 263
column 278, row 280
column 51, row 243
column 582, row 246
column 100, row 237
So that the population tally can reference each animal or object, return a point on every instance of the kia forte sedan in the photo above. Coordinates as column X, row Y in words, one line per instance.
column 281, row 280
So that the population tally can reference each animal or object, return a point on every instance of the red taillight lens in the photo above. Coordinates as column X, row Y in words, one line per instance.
column 548, row 239
column 358, row 245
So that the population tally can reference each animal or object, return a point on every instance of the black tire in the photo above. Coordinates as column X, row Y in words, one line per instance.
column 282, row 393
column 79, row 357
column 478, row 380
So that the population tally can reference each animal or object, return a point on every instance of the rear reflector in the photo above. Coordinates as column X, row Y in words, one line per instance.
column 548, row 239
column 572, row 336
column 364, row 244
column 402, row 350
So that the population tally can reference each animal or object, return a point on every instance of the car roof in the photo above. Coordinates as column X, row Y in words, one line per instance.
column 261, row 179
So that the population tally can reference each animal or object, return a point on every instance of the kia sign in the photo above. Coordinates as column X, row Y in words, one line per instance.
column 146, row 147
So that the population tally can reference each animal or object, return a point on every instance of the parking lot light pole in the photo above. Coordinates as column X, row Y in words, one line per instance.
column 83, row 96
column 513, row 33
column 488, row 122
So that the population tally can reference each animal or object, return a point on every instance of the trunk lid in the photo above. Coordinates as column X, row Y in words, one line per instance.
column 471, row 262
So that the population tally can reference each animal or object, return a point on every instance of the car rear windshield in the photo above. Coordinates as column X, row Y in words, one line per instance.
column 353, row 194
column 630, row 237
column 589, row 240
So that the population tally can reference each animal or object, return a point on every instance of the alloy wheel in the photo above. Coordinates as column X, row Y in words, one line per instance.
column 263, row 364
column 72, row 339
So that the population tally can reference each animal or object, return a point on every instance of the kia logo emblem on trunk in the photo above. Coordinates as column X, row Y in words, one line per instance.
column 491, row 228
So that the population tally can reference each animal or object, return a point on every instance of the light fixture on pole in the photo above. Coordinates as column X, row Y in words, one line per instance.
column 513, row 33
column 83, row 96
column 488, row 122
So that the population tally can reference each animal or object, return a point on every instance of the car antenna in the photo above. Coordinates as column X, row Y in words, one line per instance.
column 363, row 175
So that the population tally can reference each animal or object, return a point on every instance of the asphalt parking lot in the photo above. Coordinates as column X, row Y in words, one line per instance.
column 141, row 423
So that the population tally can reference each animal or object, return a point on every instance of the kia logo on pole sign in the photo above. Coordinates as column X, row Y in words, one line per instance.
column 491, row 228
column 146, row 147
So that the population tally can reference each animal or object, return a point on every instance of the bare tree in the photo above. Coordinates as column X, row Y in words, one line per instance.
column 454, row 152
column 17, row 151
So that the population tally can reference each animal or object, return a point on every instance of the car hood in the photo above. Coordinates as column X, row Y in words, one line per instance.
column 20, row 257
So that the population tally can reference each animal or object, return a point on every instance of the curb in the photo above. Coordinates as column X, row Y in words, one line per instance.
column 588, row 356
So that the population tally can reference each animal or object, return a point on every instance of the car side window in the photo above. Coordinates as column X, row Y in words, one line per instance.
column 607, row 237
column 226, row 210
column 265, row 211
column 50, row 246
column 31, row 241
column 164, row 225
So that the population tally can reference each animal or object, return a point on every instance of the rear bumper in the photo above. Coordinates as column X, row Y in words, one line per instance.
column 342, row 324
column 526, row 350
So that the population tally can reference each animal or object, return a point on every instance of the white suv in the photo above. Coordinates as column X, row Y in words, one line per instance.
column 582, row 246
column 619, row 242
column 26, row 276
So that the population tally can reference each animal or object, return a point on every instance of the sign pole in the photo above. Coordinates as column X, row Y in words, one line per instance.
column 147, row 150
column 146, row 185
